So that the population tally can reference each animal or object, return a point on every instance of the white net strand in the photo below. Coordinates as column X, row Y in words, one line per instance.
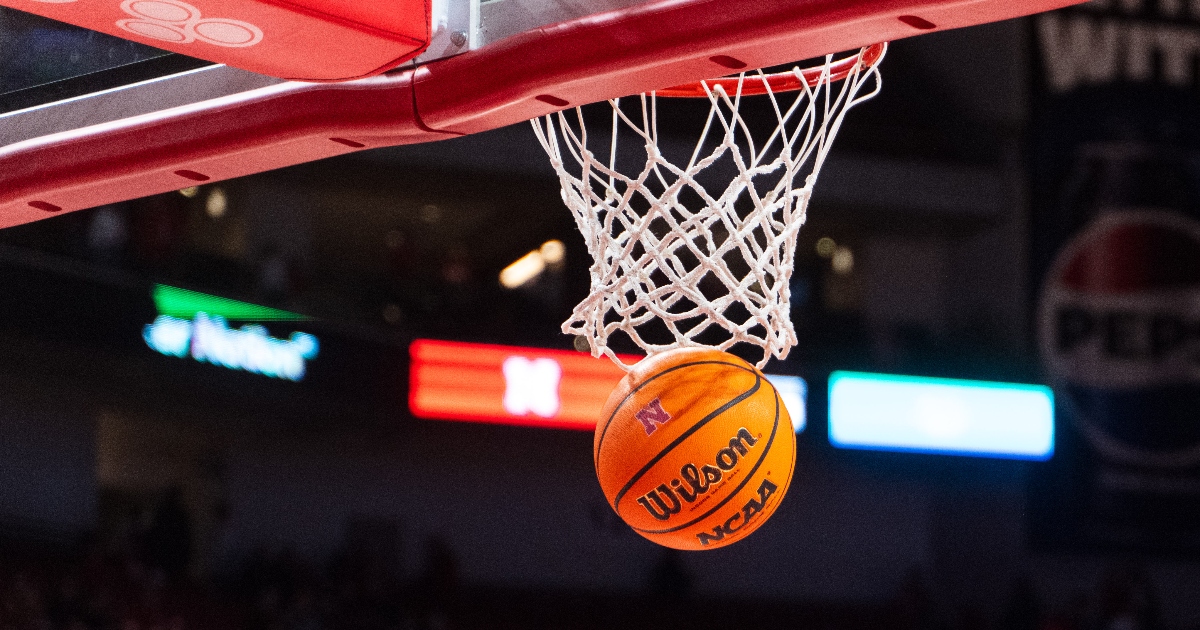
column 720, row 266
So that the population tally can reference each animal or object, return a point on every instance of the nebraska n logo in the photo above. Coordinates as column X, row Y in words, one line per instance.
column 652, row 415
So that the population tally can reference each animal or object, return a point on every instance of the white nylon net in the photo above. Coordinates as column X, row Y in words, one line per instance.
column 681, row 260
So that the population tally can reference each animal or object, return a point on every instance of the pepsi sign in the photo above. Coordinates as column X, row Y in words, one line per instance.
column 1114, row 186
column 1119, row 327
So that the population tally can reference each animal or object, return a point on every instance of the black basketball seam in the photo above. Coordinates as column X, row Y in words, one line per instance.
column 607, row 423
column 685, row 435
column 749, row 476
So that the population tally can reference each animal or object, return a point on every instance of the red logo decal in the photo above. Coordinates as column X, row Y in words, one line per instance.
column 652, row 415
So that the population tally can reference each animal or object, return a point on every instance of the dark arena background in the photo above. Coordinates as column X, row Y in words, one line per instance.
column 336, row 395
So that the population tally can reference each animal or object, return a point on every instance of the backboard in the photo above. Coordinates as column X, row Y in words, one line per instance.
column 478, row 66
column 301, row 39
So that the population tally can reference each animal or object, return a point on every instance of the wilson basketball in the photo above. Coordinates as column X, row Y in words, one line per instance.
column 695, row 449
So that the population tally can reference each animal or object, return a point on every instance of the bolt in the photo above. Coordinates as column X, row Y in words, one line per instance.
column 458, row 38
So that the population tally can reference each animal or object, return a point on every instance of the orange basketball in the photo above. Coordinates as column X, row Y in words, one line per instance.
column 695, row 449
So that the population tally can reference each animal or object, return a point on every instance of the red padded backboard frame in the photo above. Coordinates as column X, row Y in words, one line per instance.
column 661, row 44
column 309, row 40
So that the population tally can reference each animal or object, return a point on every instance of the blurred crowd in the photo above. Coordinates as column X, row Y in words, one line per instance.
column 141, row 575
column 97, row 588
column 92, row 587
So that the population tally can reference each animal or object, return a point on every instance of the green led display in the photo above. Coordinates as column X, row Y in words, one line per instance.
column 184, row 304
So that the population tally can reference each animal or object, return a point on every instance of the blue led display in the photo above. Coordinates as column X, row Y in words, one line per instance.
column 793, row 391
column 935, row 415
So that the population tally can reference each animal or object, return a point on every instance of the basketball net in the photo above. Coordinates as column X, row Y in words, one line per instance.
column 678, row 260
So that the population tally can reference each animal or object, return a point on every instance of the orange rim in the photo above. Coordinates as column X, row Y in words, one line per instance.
column 753, row 85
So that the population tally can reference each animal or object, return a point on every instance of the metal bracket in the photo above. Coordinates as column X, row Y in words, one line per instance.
column 455, row 28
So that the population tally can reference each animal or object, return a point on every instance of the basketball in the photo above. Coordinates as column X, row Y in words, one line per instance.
column 695, row 449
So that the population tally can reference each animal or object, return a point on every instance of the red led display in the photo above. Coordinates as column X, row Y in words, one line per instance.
column 509, row 385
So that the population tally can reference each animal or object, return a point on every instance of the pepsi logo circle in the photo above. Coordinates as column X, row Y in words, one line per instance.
column 1119, row 334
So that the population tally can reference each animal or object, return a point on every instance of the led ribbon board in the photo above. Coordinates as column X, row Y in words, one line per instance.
column 933, row 415
column 196, row 324
column 528, row 386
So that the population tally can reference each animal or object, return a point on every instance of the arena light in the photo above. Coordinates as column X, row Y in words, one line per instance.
column 528, row 386
column 553, row 252
column 932, row 415
column 216, row 204
column 531, row 265
column 522, row 270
